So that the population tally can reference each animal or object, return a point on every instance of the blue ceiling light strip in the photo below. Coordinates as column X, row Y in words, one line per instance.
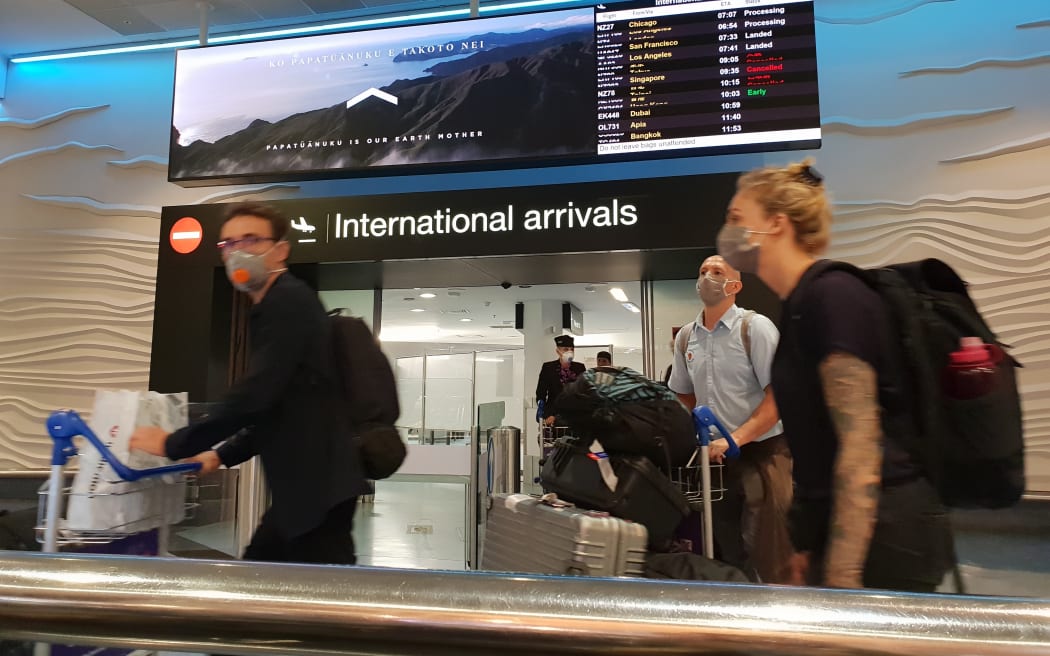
column 335, row 27
column 527, row 4
column 292, row 31
column 168, row 45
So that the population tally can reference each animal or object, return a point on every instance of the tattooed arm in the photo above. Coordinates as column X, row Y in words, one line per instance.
column 851, row 394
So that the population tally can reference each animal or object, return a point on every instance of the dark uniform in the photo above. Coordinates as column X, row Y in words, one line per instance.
column 288, row 402
column 553, row 378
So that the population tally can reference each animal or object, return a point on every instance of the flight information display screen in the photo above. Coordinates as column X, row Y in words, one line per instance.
column 674, row 76
column 618, row 82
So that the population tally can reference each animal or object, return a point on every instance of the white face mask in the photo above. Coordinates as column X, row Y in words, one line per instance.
column 711, row 290
column 568, row 356
column 737, row 250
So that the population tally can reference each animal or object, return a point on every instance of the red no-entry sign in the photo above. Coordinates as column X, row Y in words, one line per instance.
column 186, row 235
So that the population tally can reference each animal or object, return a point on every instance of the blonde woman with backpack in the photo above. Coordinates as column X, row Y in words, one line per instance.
column 864, row 512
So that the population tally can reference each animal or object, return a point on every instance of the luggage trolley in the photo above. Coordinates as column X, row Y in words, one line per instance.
column 547, row 435
column 63, row 426
column 695, row 479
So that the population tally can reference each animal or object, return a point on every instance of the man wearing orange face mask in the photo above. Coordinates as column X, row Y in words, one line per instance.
column 286, row 407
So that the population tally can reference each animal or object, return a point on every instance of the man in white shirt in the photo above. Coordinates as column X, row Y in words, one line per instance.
column 723, row 360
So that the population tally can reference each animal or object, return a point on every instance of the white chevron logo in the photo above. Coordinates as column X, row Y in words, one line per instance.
column 370, row 93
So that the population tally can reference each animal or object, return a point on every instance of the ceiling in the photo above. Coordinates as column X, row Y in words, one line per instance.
column 490, row 311
column 479, row 292
column 38, row 26
column 485, row 315
column 485, row 290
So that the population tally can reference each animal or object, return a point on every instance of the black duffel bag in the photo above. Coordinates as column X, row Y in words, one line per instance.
column 684, row 566
column 642, row 492
column 630, row 415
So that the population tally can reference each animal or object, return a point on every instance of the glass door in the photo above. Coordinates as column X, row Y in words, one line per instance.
column 448, row 399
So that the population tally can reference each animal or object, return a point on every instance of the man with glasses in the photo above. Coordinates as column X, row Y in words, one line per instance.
column 285, row 409
column 723, row 360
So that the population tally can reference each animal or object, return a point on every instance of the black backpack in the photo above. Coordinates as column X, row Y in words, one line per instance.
column 630, row 415
column 370, row 395
column 972, row 450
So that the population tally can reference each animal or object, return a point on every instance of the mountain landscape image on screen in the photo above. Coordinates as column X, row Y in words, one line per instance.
column 525, row 94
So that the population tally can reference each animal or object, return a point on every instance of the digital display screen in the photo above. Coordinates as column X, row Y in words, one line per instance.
column 705, row 74
column 620, row 82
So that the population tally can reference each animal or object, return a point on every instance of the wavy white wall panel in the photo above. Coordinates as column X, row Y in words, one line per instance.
column 986, row 202
column 49, row 150
column 906, row 85
column 925, row 167
column 1032, row 142
column 999, row 62
column 143, row 161
column 889, row 126
column 31, row 123
column 1031, row 24
column 83, row 175
column 76, row 314
column 859, row 13
column 93, row 206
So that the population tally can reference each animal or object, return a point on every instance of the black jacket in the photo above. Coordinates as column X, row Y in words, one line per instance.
column 549, row 385
column 287, row 401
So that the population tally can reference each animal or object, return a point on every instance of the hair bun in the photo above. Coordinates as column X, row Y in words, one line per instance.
column 811, row 176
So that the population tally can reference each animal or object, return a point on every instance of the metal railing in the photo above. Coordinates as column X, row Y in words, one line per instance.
column 253, row 608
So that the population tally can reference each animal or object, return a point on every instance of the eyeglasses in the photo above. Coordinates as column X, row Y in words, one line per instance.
column 229, row 245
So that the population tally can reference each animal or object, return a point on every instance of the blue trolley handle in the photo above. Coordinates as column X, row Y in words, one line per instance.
column 488, row 467
column 703, row 420
column 64, row 425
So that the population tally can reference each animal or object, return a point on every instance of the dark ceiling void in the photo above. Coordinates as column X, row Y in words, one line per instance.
column 517, row 270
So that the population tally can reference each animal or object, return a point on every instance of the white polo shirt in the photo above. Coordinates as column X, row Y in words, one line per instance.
column 716, row 368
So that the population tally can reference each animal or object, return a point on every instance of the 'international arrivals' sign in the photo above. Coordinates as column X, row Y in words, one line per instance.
column 652, row 214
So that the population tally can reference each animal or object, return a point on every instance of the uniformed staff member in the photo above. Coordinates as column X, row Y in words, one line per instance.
column 555, row 375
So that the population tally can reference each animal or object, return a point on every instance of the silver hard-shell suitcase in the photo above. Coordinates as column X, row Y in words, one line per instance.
column 548, row 536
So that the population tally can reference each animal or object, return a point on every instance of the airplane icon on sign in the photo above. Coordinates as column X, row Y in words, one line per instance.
column 304, row 226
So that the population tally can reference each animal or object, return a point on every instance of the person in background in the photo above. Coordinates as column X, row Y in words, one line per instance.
column 604, row 359
column 722, row 361
column 555, row 375
column 864, row 513
column 285, row 409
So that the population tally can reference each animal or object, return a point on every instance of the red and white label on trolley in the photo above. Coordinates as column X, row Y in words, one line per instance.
column 186, row 235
